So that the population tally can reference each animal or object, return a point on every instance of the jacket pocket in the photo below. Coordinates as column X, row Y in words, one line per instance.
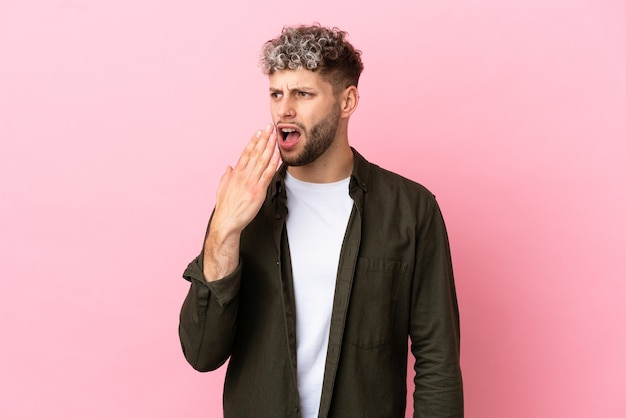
column 373, row 300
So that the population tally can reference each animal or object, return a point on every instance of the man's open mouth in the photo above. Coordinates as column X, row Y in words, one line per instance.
column 289, row 134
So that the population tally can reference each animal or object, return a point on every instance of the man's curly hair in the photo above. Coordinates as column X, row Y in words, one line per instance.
column 314, row 48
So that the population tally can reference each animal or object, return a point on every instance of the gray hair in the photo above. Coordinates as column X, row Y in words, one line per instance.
column 314, row 48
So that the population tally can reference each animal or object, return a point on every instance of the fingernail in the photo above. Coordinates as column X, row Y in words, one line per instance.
column 269, row 127
column 259, row 133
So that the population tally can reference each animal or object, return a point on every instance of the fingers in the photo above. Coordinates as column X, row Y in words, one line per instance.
column 268, row 173
column 255, row 150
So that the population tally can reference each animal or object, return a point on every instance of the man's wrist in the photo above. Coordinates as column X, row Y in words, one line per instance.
column 221, row 255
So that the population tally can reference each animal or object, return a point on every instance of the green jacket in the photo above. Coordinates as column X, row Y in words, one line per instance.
column 394, row 282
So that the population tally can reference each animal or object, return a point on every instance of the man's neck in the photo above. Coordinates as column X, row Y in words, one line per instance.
column 334, row 165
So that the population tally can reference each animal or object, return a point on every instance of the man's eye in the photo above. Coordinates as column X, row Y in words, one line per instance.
column 304, row 94
column 275, row 95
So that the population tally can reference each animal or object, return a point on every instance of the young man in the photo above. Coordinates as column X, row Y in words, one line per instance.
column 313, row 277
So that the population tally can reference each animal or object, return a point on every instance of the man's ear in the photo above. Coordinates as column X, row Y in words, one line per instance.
column 349, row 102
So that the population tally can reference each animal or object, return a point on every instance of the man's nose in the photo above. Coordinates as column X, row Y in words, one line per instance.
column 285, row 108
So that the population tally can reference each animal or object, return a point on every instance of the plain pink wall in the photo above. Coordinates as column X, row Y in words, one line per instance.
column 117, row 119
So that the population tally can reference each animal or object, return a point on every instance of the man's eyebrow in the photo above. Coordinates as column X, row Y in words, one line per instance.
column 302, row 88
column 294, row 88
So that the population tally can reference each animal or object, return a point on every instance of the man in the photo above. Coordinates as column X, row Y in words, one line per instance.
column 313, row 277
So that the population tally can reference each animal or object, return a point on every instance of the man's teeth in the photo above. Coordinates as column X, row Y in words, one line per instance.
column 286, row 132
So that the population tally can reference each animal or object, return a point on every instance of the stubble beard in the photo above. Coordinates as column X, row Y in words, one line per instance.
column 320, row 138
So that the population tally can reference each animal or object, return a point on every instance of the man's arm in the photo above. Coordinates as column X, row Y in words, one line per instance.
column 240, row 194
column 435, row 338
column 209, row 314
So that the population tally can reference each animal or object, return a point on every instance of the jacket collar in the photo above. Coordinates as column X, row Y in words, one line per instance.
column 359, row 177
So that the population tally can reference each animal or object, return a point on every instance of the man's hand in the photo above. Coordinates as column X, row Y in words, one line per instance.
column 240, row 194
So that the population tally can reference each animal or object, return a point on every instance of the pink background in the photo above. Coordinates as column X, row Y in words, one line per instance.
column 118, row 117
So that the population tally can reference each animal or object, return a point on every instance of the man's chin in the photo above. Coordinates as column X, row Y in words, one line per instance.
column 291, row 162
column 290, row 159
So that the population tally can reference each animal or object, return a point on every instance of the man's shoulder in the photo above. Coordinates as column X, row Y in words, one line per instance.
column 391, row 177
column 379, row 178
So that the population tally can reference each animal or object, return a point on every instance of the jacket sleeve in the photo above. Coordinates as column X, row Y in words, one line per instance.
column 434, row 329
column 208, row 318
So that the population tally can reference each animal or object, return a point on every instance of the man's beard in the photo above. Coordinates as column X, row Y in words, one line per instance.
column 321, row 137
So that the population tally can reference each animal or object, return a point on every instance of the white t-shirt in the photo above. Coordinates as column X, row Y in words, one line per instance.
column 316, row 225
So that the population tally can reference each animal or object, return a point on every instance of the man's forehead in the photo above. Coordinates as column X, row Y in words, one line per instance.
column 296, row 79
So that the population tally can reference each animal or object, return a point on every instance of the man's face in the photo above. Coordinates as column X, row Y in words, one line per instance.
column 306, row 114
